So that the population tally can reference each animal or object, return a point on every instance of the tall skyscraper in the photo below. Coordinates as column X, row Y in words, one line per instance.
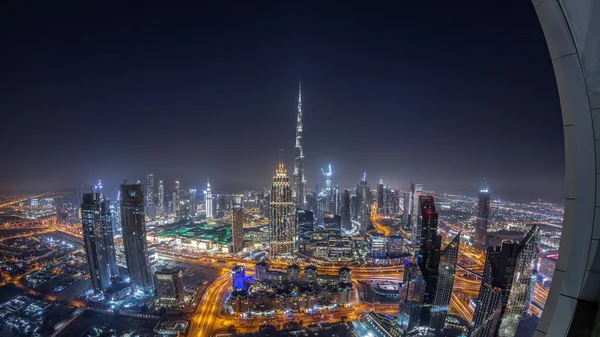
column 134, row 235
column 209, row 202
column 505, row 291
column 345, row 211
column 298, row 192
column 414, row 225
column 177, row 200
column 150, row 210
column 193, row 202
column 282, row 227
column 237, row 228
column 329, row 191
column 428, row 282
column 98, row 241
column 161, row 199
column 380, row 197
column 365, row 204
column 483, row 214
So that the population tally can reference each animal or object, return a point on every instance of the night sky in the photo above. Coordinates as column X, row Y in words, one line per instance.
column 431, row 91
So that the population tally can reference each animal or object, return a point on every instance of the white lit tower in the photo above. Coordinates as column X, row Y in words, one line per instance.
column 209, row 201
column 364, row 204
column 150, row 210
column 282, row 229
column 329, row 200
column 298, row 192
column 161, row 199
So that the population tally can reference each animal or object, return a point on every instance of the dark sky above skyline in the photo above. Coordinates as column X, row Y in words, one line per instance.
column 426, row 91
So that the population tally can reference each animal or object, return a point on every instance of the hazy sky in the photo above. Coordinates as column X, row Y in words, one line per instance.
column 430, row 91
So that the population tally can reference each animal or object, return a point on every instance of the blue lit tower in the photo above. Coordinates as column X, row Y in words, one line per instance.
column 282, row 228
column 298, row 191
column 483, row 214
column 238, row 277
column 505, row 290
column 134, row 235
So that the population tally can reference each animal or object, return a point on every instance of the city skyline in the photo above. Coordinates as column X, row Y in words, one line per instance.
column 356, row 112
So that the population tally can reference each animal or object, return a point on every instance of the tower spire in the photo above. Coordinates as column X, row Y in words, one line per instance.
column 298, row 190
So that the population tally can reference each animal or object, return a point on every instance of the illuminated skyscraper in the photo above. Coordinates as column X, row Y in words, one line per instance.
column 282, row 228
column 329, row 191
column 414, row 225
column 150, row 210
column 365, row 204
column 505, row 291
column 134, row 235
column 237, row 228
column 161, row 199
column 428, row 281
column 193, row 202
column 209, row 202
column 483, row 214
column 98, row 241
column 177, row 200
column 298, row 192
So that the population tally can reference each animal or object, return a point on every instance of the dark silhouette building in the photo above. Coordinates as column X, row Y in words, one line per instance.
column 96, row 219
column 134, row 235
column 505, row 291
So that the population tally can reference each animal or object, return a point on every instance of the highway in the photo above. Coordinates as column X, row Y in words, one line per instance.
column 205, row 320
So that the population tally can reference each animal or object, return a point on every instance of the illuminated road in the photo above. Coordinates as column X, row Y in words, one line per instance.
column 206, row 319
column 22, row 200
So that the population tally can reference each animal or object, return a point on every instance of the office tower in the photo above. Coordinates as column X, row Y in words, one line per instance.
column 483, row 214
column 354, row 207
column 261, row 271
column 150, row 210
column 380, row 196
column 174, row 205
column 365, row 204
column 329, row 201
column 411, row 298
column 237, row 228
column 238, row 278
column 415, row 226
column 161, row 199
column 209, row 202
column 298, row 192
column 169, row 286
column 107, row 218
column 336, row 200
column 345, row 211
column 193, row 202
column 134, row 235
column 406, row 210
column 93, row 239
column 177, row 200
column 282, row 227
column 429, row 281
column 505, row 291
column 304, row 227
